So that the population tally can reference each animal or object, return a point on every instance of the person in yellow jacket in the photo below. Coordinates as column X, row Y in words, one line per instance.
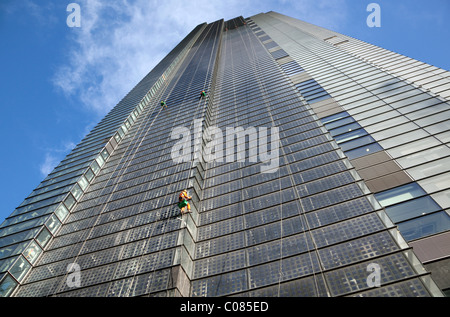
column 182, row 202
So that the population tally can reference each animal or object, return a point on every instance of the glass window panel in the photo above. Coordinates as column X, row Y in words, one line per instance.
column 23, row 225
column 350, row 136
column 95, row 167
column 344, row 129
column 319, row 98
column 412, row 147
column 53, row 224
column 69, row 202
column 430, row 169
column 403, row 138
column 399, row 194
column 425, row 226
column 76, row 192
column 424, row 156
column 13, row 249
column 121, row 133
column 436, row 183
column 6, row 264
column 100, row 160
column 44, row 237
column 412, row 208
column 442, row 116
column 7, row 286
column 442, row 198
column 312, row 91
column 39, row 204
column 357, row 250
column 20, row 268
column 390, row 132
column 444, row 137
column 334, row 117
column 21, row 236
column 105, row 154
column 83, row 183
column 117, row 137
column 369, row 113
column 362, row 151
column 379, row 118
column 425, row 112
column 27, row 216
column 89, row 175
column 438, row 127
column 61, row 212
column 356, row 143
column 389, row 123
column 43, row 196
column 339, row 123
column 32, row 252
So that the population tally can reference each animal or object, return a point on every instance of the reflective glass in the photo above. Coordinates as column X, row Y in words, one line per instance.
column 61, row 212
column 335, row 117
column 390, row 132
column 425, row 226
column 17, row 237
column 32, row 252
column 386, row 124
column 412, row 147
column 44, row 237
column 83, row 183
column 76, row 192
column 53, row 223
column 7, row 286
column 339, row 123
column 442, row 198
column 442, row 116
column 412, row 208
column 69, row 201
column 399, row 194
column 344, row 129
column 20, row 268
column 436, row 183
column 317, row 99
column 13, row 249
column 424, row 156
column 431, row 168
column 438, row 127
column 350, row 136
column 443, row 137
column 403, row 138
column 362, row 151
column 89, row 175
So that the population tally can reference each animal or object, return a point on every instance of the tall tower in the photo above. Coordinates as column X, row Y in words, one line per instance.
column 317, row 165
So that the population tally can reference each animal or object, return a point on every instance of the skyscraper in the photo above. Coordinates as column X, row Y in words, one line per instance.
column 318, row 165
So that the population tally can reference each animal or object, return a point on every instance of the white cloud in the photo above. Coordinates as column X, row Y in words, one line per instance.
column 120, row 41
column 49, row 164
column 53, row 157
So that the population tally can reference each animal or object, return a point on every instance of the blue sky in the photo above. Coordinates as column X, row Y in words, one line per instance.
column 57, row 82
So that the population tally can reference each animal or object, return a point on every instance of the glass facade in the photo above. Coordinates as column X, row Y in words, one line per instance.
column 343, row 186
